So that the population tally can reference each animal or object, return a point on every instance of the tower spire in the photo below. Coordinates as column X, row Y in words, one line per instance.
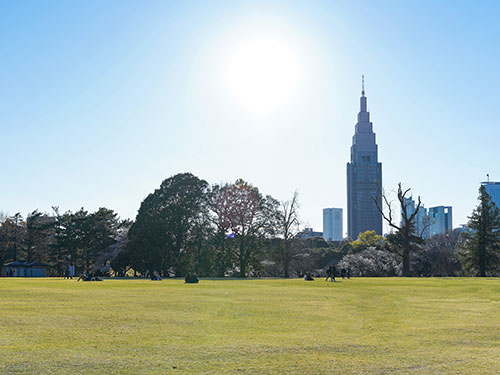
column 363, row 97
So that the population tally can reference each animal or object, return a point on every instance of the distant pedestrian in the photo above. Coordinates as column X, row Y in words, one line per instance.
column 348, row 272
column 71, row 271
column 342, row 273
column 330, row 273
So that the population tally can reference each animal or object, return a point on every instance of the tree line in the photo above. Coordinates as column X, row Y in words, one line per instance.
column 189, row 226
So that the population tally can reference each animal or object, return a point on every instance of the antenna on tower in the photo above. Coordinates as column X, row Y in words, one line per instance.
column 363, row 85
column 488, row 177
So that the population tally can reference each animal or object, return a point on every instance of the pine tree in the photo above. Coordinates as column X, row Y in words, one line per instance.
column 480, row 250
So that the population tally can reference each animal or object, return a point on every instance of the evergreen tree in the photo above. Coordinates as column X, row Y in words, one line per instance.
column 480, row 250
column 100, row 231
column 166, row 226
column 39, row 232
column 12, row 234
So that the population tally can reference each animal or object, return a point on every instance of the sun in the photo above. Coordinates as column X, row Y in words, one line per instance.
column 262, row 73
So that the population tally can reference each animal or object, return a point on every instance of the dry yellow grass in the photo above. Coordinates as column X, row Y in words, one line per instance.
column 359, row 326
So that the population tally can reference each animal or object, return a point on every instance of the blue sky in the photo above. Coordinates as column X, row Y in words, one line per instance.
column 101, row 101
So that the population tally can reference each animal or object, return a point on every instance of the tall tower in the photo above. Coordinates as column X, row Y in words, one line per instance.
column 364, row 177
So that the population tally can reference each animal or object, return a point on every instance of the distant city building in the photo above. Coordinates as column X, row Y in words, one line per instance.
column 309, row 233
column 441, row 220
column 364, row 177
column 493, row 189
column 332, row 224
column 422, row 220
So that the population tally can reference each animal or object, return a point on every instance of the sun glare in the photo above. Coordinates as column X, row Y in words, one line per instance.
column 262, row 73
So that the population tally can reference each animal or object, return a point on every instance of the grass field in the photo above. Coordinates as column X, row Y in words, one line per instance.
column 359, row 326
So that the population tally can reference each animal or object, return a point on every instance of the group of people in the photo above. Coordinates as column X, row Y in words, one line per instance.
column 331, row 273
column 84, row 276
column 70, row 271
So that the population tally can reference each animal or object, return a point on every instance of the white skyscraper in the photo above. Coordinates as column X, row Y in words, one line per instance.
column 332, row 224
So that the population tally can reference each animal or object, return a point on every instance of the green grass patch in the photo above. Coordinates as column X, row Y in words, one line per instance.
column 359, row 326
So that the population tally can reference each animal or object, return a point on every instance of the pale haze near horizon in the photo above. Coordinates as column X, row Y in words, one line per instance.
column 100, row 102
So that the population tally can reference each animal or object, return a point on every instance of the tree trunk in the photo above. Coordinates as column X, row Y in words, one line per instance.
column 406, row 262
column 286, row 265
column 406, row 257
column 243, row 259
column 243, row 268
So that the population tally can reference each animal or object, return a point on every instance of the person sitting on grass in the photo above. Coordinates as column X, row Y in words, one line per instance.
column 191, row 279
column 88, row 277
column 308, row 277
column 84, row 277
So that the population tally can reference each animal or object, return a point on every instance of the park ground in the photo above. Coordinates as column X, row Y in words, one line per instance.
column 358, row 326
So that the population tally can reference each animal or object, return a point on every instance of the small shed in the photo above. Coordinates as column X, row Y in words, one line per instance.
column 20, row 268
column 36, row 269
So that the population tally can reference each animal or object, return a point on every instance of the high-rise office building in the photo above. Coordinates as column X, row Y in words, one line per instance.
column 441, row 219
column 422, row 220
column 493, row 189
column 332, row 224
column 364, row 177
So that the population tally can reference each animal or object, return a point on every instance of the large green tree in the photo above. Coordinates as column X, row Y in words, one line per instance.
column 480, row 250
column 80, row 237
column 12, row 235
column 100, row 231
column 163, row 234
column 69, row 240
column 39, row 232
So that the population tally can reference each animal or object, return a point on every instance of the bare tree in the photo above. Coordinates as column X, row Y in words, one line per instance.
column 250, row 216
column 405, row 240
column 289, row 227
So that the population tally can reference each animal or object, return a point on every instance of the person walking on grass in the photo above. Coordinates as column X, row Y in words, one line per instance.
column 330, row 273
column 342, row 273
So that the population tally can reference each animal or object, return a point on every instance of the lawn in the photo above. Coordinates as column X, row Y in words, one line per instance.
column 359, row 326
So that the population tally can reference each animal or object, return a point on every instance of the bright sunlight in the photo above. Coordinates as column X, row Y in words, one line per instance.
column 263, row 73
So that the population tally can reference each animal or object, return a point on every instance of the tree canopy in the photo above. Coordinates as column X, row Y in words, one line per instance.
column 480, row 251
